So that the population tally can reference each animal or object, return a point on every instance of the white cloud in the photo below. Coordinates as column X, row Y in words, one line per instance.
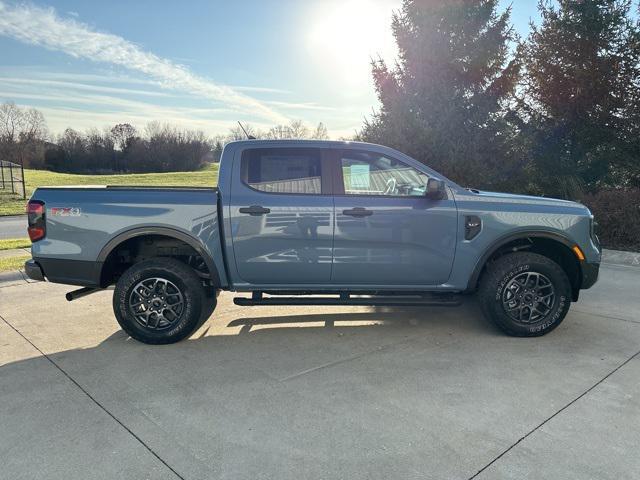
column 21, row 81
column 43, row 27
column 300, row 106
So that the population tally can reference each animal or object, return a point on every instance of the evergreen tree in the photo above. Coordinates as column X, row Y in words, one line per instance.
column 443, row 101
column 581, row 79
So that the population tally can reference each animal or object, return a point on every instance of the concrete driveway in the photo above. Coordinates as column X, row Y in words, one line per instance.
column 331, row 393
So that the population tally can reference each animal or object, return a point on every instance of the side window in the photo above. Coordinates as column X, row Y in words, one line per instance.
column 283, row 170
column 368, row 173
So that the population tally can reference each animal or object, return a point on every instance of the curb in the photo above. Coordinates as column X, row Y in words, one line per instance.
column 15, row 252
column 8, row 279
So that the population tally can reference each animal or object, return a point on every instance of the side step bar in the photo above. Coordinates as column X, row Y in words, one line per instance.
column 432, row 300
column 82, row 292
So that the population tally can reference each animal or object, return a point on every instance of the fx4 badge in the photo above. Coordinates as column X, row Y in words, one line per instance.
column 65, row 212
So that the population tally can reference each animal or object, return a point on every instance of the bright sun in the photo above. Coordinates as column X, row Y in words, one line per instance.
column 346, row 34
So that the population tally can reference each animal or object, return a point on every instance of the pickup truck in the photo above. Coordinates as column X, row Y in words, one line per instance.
column 313, row 223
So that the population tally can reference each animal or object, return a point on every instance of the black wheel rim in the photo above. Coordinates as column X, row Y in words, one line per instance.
column 156, row 303
column 529, row 297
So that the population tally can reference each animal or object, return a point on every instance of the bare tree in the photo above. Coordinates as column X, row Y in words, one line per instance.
column 320, row 133
column 298, row 129
column 122, row 135
column 22, row 134
column 236, row 133
column 279, row 132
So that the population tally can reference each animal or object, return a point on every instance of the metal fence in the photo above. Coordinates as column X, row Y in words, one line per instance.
column 12, row 179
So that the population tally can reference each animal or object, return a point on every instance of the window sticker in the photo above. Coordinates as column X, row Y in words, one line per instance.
column 360, row 177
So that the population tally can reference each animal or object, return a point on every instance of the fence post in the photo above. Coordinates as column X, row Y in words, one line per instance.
column 2, row 171
column 13, row 190
column 24, row 186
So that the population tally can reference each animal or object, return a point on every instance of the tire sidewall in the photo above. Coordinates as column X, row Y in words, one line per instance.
column 560, row 307
column 192, row 297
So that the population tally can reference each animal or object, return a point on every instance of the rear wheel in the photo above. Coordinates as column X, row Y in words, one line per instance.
column 160, row 301
column 525, row 294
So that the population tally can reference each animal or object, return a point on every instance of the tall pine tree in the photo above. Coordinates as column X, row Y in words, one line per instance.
column 581, row 79
column 443, row 101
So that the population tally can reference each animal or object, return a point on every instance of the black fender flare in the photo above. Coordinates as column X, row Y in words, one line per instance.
column 166, row 232
column 508, row 238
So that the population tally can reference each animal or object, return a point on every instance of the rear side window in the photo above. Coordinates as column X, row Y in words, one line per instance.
column 283, row 170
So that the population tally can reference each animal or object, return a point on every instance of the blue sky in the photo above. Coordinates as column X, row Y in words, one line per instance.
column 199, row 64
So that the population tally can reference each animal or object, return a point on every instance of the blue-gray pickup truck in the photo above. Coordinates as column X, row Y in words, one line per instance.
column 313, row 223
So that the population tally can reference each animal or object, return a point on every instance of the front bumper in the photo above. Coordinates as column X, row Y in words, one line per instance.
column 590, row 273
column 33, row 270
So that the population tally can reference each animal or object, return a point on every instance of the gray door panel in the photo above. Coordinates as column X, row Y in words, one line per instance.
column 406, row 241
column 291, row 241
column 387, row 230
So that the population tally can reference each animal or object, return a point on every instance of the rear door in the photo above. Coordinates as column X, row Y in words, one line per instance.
column 282, row 216
column 387, row 231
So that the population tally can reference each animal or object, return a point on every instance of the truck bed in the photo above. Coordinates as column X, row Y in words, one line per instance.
column 82, row 220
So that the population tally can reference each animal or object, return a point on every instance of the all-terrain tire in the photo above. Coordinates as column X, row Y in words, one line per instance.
column 509, row 298
column 176, row 300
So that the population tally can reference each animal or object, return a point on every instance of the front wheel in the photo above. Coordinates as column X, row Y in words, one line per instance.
column 160, row 301
column 525, row 294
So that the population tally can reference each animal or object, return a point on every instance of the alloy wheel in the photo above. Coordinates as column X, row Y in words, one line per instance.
column 156, row 303
column 528, row 297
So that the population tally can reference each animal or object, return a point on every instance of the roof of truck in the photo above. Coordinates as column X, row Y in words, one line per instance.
column 309, row 143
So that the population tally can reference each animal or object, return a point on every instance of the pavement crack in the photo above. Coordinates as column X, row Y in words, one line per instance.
column 356, row 356
column 540, row 425
column 330, row 364
column 94, row 400
column 573, row 309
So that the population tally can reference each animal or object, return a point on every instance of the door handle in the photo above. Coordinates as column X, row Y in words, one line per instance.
column 255, row 210
column 358, row 212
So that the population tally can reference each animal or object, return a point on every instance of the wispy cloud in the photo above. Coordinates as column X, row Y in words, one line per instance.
column 44, row 27
column 300, row 106
column 21, row 81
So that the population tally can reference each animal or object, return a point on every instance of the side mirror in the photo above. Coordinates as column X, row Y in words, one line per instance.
column 436, row 189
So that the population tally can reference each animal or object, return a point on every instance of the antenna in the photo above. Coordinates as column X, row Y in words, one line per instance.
column 249, row 137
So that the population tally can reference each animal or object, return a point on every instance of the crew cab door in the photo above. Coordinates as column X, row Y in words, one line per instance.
column 282, row 216
column 387, row 231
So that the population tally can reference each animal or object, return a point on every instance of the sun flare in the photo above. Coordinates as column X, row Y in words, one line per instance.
column 345, row 35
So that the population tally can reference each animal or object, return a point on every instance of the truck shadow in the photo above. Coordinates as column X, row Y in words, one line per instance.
column 464, row 316
column 277, row 347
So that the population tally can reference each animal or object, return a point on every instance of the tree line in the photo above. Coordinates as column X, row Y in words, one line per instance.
column 159, row 147
column 556, row 113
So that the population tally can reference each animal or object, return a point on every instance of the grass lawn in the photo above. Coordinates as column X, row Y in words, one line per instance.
column 13, row 263
column 11, row 243
column 14, row 205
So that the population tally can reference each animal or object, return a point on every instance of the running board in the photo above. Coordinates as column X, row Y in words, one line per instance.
column 434, row 300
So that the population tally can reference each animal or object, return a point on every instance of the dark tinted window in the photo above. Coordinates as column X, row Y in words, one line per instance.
column 283, row 170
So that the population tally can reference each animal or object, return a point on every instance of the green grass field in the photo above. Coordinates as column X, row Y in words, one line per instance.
column 11, row 243
column 13, row 263
column 14, row 205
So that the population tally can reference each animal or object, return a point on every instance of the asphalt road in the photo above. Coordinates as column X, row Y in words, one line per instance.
column 320, row 393
column 13, row 226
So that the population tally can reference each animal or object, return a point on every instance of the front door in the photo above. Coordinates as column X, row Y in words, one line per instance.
column 282, row 217
column 387, row 231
